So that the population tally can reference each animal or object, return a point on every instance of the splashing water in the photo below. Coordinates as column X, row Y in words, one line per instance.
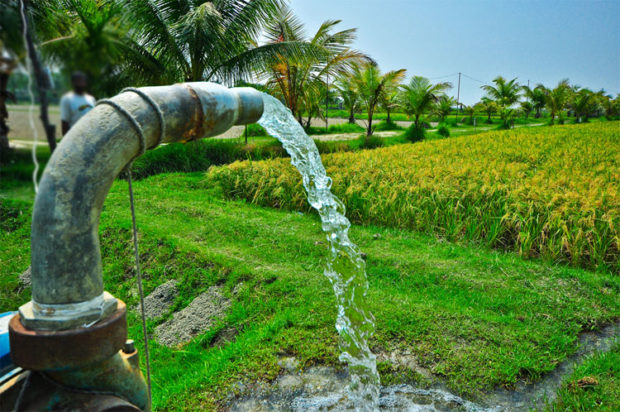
column 345, row 268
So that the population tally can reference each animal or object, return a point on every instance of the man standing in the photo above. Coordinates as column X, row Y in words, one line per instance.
column 75, row 103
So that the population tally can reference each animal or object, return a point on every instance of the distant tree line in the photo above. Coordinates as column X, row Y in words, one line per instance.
column 121, row 43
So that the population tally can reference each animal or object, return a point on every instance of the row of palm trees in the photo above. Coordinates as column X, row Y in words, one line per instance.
column 138, row 42
column 507, row 98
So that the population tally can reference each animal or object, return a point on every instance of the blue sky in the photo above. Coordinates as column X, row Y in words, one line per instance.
column 542, row 41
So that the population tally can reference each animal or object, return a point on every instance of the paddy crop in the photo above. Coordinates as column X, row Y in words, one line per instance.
column 544, row 192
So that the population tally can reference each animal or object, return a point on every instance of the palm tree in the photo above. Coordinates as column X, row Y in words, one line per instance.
column 301, row 81
column 390, row 98
column 556, row 99
column 11, row 43
column 505, row 93
column 199, row 40
column 488, row 106
column 469, row 111
column 371, row 84
column 94, row 37
column 583, row 103
column 443, row 107
column 610, row 106
column 536, row 97
column 420, row 96
column 526, row 108
column 350, row 96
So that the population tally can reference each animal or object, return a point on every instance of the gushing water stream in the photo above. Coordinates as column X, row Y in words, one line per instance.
column 345, row 268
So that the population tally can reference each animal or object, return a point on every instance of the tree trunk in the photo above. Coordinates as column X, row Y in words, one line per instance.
column 352, row 116
column 42, row 87
column 369, row 131
column 389, row 117
column 4, row 128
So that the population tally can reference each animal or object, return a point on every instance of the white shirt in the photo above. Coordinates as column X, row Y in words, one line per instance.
column 74, row 106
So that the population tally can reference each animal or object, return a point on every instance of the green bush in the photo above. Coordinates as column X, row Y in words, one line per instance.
column 443, row 130
column 415, row 134
column 370, row 142
column 256, row 130
column 200, row 155
column 387, row 126
column 335, row 129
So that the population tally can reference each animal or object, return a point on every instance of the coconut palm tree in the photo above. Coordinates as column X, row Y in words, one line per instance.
column 350, row 96
column 488, row 106
column 583, row 103
column 371, row 84
column 94, row 37
column 469, row 111
column 199, row 40
column 443, row 107
column 11, row 43
column 557, row 98
column 505, row 93
column 301, row 81
column 526, row 108
column 537, row 98
column 420, row 96
column 390, row 98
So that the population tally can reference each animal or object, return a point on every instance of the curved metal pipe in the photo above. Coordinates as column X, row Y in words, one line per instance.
column 67, row 282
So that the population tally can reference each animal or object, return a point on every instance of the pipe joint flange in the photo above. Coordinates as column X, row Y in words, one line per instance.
column 41, row 316
column 40, row 350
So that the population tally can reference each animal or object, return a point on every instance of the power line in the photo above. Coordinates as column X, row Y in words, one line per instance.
column 443, row 77
column 476, row 80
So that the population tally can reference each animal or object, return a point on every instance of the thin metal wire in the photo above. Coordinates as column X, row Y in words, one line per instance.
column 133, row 122
column 142, row 138
column 155, row 106
column 140, row 290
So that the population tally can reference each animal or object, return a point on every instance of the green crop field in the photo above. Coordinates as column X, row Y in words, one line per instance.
column 541, row 192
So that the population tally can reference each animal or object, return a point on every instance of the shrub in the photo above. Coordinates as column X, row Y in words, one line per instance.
column 387, row 126
column 415, row 134
column 370, row 142
column 200, row 155
column 335, row 129
column 256, row 130
column 443, row 130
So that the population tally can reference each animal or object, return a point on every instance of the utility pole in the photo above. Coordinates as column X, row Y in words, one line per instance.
column 458, row 99
column 327, row 104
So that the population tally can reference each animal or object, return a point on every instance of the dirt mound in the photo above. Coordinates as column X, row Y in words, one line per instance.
column 159, row 301
column 195, row 319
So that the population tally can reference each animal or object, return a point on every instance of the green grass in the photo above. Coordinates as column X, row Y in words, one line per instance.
column 335, row 129
column 593, row 386
column 477, row 319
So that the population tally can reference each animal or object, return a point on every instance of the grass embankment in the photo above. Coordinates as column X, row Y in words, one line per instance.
column 593, row 386
column 550, row 192
column 475, row 318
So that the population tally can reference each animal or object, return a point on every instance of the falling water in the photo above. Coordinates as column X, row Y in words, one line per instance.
column 345, row 267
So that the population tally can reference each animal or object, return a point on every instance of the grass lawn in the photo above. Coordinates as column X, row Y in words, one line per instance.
column 475, row 318
column 594, row 385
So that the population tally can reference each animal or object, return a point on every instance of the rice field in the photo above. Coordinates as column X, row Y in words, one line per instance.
column 544, row 192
